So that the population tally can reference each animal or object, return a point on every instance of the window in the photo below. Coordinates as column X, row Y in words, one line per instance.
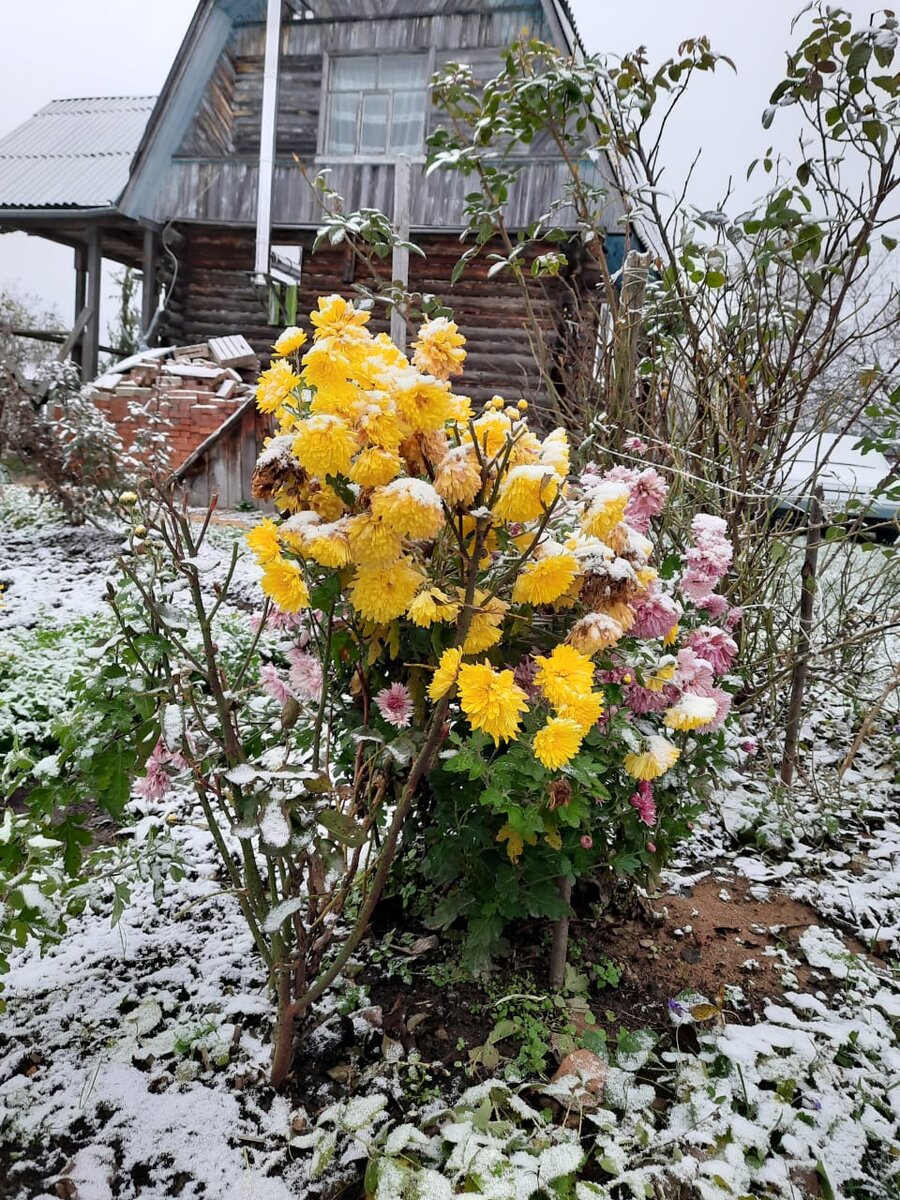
column 376, row 105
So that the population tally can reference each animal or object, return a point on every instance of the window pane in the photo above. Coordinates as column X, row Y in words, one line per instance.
column 408, row 125
column 402, row 71
column 373, row 131
column 342, row 114
column 354, row 72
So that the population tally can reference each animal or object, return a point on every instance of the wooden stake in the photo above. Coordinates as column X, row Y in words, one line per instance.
column 560, row 947
column 801, row 660
column 400, row 262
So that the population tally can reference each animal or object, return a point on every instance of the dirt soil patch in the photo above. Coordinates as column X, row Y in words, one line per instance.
column 713, row 938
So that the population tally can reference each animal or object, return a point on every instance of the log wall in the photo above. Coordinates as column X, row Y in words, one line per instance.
column 214, row 294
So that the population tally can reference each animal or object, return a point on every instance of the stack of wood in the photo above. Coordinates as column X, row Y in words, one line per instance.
column 222, row 368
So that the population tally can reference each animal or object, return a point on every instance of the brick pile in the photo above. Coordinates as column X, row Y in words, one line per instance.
column 194, row 388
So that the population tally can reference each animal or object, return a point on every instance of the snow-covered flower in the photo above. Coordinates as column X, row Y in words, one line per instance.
column 715, row 645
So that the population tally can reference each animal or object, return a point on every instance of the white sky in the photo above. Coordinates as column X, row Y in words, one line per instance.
column 58, row 49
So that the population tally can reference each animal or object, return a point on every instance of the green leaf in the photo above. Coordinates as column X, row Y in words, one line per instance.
column 342, row 827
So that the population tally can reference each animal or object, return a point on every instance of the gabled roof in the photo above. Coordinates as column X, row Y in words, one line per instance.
column 73, row 153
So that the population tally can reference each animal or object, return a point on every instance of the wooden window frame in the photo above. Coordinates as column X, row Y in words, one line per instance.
column 323, row 156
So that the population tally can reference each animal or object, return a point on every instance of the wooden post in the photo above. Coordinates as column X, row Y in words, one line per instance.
column 267, row 136
column 559, row 948
column 801, row 660
column 80, row 301
column 91, row 346
column 149, row 289
column 627, row 330
column 400, row 262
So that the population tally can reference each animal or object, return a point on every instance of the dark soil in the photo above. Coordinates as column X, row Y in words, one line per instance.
column 696, row 942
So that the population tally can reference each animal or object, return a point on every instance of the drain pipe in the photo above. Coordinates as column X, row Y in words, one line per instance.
column 267, row 133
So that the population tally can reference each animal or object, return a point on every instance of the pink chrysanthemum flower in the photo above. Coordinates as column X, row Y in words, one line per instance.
column 708, row 559
column 715, row 645
column 734, row 618
column 644, row 803
column 306, row 675
column 395, row 705
column 655, row 616
column 648, row 498
column 693, row 672
column 714, row 604
column 642, row 700
column 621, row 474
column 635, row 445
column 281, row 622
column 157, row 780
column 273, row 685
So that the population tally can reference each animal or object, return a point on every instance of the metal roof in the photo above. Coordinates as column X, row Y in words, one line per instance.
column 73, row 153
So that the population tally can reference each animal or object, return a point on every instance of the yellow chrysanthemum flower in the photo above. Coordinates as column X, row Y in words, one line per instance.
column 411, row 507
column 275, row 385
column 438, row 350
column 446, row 674
column 263, row 541
column 526, row 448
column 558, row 742
column 284, row 583
column 458, row 477
column 423, row 403
column 658, row 758
column 491, row 431
column 376, row 419
column 492, row 700
column 375, row 467
column 565, row 675
column 606, row 508
column 486, row 627
column 380, row 595
column 327, row 370
column 290, row 341
column 460, row 409
column 662, row 673
column 432, row 606
column 526, row 493
column 690, row 713
column 372, row 542
column 595, row 632
column 545, row 578
column 328, row 545
column 336, row 317
column 585, row 711
column 325, row 502
column 324, row 445
column 672, row 636
column 554, row 452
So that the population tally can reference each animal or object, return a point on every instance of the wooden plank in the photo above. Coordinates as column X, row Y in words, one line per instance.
column 232, row 351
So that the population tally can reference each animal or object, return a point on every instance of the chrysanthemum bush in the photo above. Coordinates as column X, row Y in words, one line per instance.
column 464, row 651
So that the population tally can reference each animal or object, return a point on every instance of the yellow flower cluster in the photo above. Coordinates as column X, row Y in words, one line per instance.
column 439, row 515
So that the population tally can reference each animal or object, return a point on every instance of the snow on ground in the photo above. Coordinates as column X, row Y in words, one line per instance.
column 101, row 1036
column 133, row 1058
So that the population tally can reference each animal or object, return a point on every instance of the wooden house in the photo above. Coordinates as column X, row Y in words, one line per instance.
column 200, row 190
